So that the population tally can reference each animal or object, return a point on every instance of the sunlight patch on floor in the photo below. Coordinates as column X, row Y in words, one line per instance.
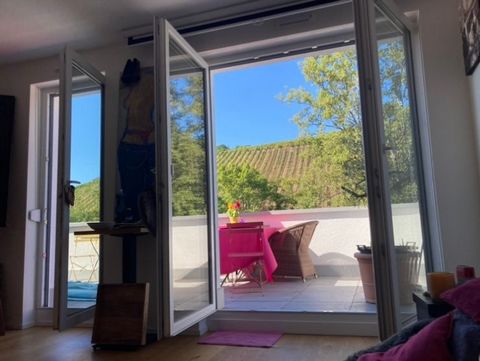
column 346, row 283
column 324, row 294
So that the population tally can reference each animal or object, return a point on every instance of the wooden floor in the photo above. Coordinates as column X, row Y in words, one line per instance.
column 44, row 344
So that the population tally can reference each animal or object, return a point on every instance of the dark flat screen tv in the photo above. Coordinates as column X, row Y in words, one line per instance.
column 7, row 111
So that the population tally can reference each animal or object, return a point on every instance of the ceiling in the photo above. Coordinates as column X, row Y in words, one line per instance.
column 37, row 28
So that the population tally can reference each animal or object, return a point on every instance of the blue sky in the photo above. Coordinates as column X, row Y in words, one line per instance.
column 246, row 107
column 85, row 150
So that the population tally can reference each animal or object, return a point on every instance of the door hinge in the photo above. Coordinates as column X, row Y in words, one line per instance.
column 45, row 216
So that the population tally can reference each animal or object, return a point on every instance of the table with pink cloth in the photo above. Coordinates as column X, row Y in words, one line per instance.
column 246, row 243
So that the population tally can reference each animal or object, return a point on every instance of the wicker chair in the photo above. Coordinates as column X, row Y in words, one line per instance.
column 291, row 249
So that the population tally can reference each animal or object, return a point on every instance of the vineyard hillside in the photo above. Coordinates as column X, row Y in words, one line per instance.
column 87, row 202
column 274, row 161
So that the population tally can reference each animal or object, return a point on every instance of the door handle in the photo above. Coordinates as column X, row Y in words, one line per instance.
column 35, row 215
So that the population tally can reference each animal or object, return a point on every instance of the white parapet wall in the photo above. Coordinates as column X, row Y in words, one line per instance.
column 335, row 238
column 333, row 245
column 340, row 230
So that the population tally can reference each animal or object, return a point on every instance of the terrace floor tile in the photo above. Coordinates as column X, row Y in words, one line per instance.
column 323, row 294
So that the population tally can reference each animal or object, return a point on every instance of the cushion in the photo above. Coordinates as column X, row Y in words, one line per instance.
column 431, row 344
column 465, row 342
column 396, row 339
column 466, row 298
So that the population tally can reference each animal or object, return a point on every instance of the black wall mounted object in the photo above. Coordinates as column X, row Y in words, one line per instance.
column 7, row 112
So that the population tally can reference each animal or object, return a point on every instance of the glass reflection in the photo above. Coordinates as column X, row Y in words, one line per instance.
column 401, row 160
column 190, row 243
column 85, row 172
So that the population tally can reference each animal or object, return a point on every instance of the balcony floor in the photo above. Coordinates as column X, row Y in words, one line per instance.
column 324, row 294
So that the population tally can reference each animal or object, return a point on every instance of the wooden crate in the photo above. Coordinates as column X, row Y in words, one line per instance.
column 121, row 315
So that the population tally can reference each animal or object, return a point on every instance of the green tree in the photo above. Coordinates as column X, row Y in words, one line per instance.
column 397, row 120
column 331, row 116
column 187, row 119
column 243, row 183
column 221, row 148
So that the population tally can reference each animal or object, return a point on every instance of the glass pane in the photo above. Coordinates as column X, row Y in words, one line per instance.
column 190, row 268
column 51, row 201
column 85, row 162
column 401, row 156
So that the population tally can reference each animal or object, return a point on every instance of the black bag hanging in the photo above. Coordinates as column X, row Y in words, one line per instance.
column 131, row 72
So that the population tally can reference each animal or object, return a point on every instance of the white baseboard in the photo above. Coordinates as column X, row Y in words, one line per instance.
column 343, row 324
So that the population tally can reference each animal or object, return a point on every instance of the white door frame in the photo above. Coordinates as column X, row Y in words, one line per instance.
column 69, row 59
column 163, row 32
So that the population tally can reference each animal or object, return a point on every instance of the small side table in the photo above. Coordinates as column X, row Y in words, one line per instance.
column 428, row 308
column 129, row 247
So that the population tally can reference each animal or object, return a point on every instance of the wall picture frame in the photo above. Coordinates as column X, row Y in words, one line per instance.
column 470, row 30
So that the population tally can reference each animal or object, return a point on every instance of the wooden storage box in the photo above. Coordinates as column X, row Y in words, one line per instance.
column 121, row 314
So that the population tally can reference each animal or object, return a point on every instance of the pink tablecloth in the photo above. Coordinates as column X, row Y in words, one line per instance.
column 246, row 243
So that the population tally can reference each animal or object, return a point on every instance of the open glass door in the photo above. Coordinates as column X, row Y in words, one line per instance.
column 79, row 189
column 184, row 182
column 394, row 165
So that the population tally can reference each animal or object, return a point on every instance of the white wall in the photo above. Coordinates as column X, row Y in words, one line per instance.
column 474, row 82
column 18, row 246
column 455, row 162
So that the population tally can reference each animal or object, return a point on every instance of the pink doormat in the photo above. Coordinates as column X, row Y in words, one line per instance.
column 248, row 339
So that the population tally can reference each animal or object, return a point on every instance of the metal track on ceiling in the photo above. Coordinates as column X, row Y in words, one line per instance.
column 237, row 20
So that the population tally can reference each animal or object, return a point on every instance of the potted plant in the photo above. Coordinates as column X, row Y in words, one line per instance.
column 408, row 264
column 233, row 211
column 364, row 258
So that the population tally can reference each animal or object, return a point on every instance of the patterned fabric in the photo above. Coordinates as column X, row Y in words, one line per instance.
column 393, row 341
column 465, row 342
column 431, row 344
